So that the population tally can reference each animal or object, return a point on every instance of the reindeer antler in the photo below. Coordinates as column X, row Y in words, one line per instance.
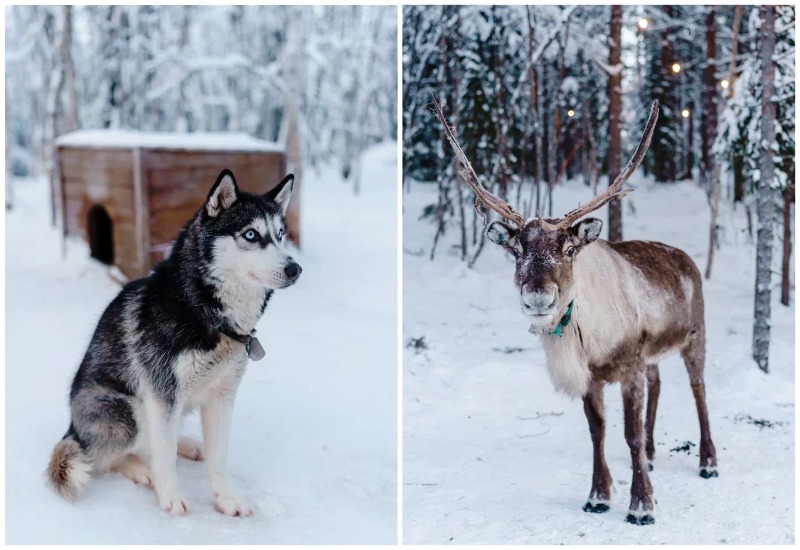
column 467, row 173
column 614, row 191
column 503, row 208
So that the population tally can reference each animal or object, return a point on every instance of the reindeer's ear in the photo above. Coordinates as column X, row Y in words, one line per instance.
column 282, row 192
column 223, row 194
column 587, row 231
column 502, row 234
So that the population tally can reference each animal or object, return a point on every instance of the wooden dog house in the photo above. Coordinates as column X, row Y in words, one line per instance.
column 128, row 194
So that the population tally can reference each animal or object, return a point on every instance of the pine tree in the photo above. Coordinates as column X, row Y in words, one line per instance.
column 614, row 119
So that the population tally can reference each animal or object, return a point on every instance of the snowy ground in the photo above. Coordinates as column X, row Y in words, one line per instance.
column 314, row 432
column 494, row 455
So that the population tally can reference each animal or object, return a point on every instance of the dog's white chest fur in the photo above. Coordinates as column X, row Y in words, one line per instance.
column 204, row 374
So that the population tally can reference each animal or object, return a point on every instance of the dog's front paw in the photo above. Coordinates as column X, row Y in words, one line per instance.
column 232, row 505
column 190, row 449
column 176, row 505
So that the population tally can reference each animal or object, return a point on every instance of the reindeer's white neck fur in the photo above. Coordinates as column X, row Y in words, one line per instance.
column 602, row 309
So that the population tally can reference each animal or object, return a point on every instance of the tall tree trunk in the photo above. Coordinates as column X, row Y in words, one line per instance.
column 666, row 148
column 591, row 152
column 530, row 120
column 708, row 119
column 185, row 122
column 503, row 110
column 710, row 172
column 614, row 122
column 443, row 199
column 552, row 156
column 451, row 68
column 364, row 93
column 766, row 194
column 71, row 121
column 737, row 23
column 9, row 160
column 712, row 225
column 689, row 144
column 54, row 117
column 737, row 162
column 294, row 159
column 788, row 199
column 538, row 136
column 739, row 185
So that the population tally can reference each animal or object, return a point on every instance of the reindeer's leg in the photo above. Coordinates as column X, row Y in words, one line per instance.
column 600, row 496
column 694, row 356
column 653, row 389
column 641, row 511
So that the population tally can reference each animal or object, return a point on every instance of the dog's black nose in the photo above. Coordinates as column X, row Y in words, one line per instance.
column 293, row 270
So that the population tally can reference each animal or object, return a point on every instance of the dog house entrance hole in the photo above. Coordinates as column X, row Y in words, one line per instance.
column 101, row 236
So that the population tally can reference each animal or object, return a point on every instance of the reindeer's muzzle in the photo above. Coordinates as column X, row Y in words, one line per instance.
column 539, row 305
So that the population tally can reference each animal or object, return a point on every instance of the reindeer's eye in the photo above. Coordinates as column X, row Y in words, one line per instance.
column 571, row 251
column 514, row 252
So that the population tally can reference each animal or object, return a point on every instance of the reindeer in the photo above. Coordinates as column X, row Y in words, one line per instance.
column 606, row 312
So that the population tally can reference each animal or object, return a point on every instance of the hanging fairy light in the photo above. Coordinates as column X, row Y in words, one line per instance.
column 724, row 83
column 676, row 67
column 643, row 23
column 685, row 113
column 570, row 113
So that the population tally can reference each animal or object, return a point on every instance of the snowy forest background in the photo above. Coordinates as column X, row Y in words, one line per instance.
column 546, row 94
column 202, row 68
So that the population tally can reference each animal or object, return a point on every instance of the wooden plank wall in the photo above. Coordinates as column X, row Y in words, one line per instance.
column 101, row 177
column 174, row 184
column 179, row 182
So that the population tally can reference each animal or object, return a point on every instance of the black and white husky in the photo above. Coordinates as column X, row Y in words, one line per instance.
column 176, row 340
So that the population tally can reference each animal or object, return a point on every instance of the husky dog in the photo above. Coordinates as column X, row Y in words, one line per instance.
column 176, row 340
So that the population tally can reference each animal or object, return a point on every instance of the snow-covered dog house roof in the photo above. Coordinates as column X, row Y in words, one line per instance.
column 129, row 193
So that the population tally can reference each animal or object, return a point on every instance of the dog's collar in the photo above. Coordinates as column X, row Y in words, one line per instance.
column 251, row 343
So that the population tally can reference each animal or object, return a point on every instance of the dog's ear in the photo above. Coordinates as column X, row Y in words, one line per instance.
column 282, row 192
column 223, row 194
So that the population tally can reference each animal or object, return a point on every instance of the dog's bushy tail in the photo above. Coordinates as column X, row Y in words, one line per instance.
column 70, row 469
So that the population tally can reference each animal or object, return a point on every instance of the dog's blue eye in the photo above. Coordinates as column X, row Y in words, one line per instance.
column 250, row 235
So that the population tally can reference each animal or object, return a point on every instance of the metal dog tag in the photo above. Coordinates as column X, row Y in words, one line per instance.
column 254, row 349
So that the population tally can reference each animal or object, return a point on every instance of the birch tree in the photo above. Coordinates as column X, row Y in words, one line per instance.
column 766, row 198
column 709, row 167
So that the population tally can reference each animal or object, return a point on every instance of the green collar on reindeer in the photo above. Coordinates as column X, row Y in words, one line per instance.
column 559, row 330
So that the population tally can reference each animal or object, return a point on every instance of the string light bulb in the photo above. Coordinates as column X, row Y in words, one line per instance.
column 643, row 22
column 724, row 83
column 570, row 113
column 685, row 113
column 676, row 68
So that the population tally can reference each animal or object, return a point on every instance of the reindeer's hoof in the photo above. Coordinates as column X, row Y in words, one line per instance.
column 708, row 473
column 646, row 519
column 595, row 507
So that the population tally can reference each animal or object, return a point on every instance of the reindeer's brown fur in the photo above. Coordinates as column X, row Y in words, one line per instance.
column 681, row 328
